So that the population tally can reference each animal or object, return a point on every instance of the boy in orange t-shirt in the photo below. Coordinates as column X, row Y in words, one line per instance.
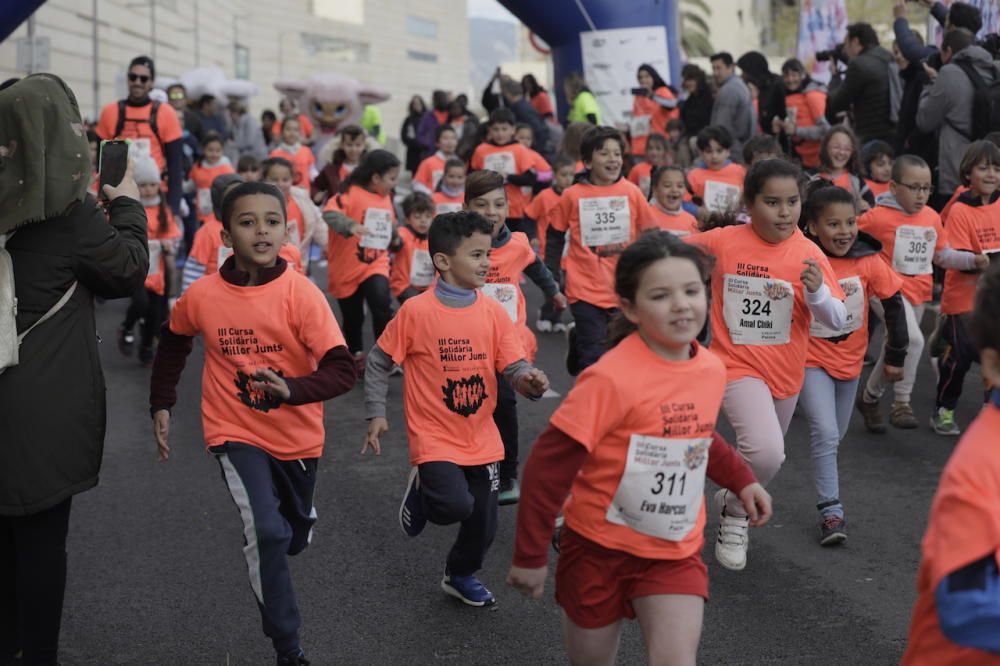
column 206, row 170
column 270, row 333
column 302, row 158
column 540, row 210
column 412, row 270
column 716, row 188
column 451, row 341
column 956, row 619
column 431, row 170
column 450, row 194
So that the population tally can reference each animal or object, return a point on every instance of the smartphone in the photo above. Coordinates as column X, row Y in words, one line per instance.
column 112, row 164
column 640, row 91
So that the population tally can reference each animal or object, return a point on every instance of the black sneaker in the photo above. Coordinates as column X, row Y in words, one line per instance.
column 572, row 355
column 557, row 533
column 126, row 340
column 146, row 356
column 293, row 658
column 510, row 492
column 411, row 511
column 832, row 531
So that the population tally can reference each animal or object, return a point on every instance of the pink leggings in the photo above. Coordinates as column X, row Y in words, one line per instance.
column 760, row 421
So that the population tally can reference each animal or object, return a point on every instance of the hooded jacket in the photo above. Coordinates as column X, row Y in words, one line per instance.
column 864, row 91
column 733, row 109
column 770, row 98
column 946, row 106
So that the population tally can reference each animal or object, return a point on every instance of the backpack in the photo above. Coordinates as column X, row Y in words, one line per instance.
column 10, row 340
column 151, row 121
column 985, row 103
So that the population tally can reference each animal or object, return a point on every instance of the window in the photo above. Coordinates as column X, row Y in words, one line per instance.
column 337, row 48
column 242, row 62
column 422, row 27
column 344, row 11
column 422, row 56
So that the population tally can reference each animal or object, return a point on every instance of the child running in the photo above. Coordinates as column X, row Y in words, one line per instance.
column 305, row 225
column 268, row 332
column 207, row 250
column 717, row 186
column 955, row 617
column 657, row 155
column 603, row 213
column 450, row 193
column 912, row 242
column 332, row 179
column 877, row 163
column 769, row 283
column 363, row 223
column 511, row 256
column 635, row 469
column 451, row 342
column 431, row 169
column 149, row 303
column 840, row 163
column 835, row 357
column 973, row 226
column 549, row 319
column 412, row 270
column 302, row 158
column 211, row 165
column 666, row 202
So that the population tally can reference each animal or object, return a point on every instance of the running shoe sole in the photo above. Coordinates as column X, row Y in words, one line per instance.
column 450, row 591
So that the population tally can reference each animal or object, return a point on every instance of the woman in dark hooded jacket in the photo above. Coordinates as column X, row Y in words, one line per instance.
column 770, row 95
column 52, row 402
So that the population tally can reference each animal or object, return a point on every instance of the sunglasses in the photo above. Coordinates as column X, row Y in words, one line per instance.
column 141, row 78
column 175, row 95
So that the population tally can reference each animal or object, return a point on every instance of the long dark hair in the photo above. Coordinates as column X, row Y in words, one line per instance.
column 376, row 163
column 658, row 81
column 765, row 170
column 423, row 106
column 820, row 193
column 854, row 164
column 650, row 247
column 531, row 85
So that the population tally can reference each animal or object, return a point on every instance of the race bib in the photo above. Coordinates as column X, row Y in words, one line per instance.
column 721, row 197
column 436, row 177
column 422, row 269
column 855, row 303
column 155, row 251
column 204, row 201
column 224, row 253
column 294, row 233
column 758, row 311
column 442, row 208
column 914, row 250
column 639, row 125
column 140, row 147
column 661, row 490
column 505, row 295
column 502, row 163
column 644, row 183
column 605, row 221
column 378, row 221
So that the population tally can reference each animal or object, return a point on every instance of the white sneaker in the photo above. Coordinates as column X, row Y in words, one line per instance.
column 543, row 326
column 731, row 546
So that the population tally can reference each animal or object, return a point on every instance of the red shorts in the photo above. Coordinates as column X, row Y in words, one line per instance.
column 596, row 585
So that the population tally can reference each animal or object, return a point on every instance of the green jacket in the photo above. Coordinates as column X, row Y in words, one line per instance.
column 371, row 121
column 583, row 105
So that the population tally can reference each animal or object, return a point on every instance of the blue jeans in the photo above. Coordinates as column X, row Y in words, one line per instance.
column 827, row 404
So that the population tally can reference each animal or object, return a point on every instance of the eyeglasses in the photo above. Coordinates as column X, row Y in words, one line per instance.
column 175, row 95
column 916, row 189
column 141, row 78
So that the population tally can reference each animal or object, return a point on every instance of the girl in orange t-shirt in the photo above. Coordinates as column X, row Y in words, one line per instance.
column 877, row 164
column 835, row 357
column 431, row 169
column 840, row 163
column 666, row 202
column 213, row 164
column 450, row 193
column 511, row 255
column 657, row 154
column 769, row 283
column 363, row 231
column 634, row 470
column 302, row 158
column 652, row 110
column 149, row 303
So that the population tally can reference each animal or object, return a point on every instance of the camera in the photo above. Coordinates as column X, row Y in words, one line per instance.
column 836, row 53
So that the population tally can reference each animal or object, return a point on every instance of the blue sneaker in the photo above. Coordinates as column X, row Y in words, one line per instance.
column 468, row 590
column 411, row 511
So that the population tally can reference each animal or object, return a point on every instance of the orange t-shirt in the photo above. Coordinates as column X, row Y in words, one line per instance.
column 411, row 265
column 876, row 187
column 614, row 216
column 758, row 298
column 540, row 210
column 962, row 189
column 975, row 229
column 681, row 223
column 510, row 160
column 285, row 325
column 722, row 183
column 302, row 161
column 202, row 176
column 920, row 236
column 207, row 248
column 155, row 279
column 843, row 355
column 648, row 117
column 809, row 106
column 964, row 527
column 430, row 171
column 639, row 393
column 445, row 204
column 640, row 175
column 507, row 262
column 349, row 262
column 451, row 357
column 296, row 223
column 137, row 128
column 305, row 127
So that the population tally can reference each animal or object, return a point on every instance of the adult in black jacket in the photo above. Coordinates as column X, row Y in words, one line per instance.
column 908, row 139
column 770, row 88
column 52, row 404
column 864, row 89
column 696, row 111
column 408, row 133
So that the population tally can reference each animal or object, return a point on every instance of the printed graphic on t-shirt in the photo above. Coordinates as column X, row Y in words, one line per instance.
column 140, row 148
column 464, row 396
column 255, row 398
column 605, row 221
column 443, row 208
column 505, row 295
column 758, row 310
column 639, row 126
column 661, row 489
column 721, row 197
column 503, row 163
column 421, row 269
column 855, row 303
column 913, row 253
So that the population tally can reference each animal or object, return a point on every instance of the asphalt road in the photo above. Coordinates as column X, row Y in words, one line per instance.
column 156, row 573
